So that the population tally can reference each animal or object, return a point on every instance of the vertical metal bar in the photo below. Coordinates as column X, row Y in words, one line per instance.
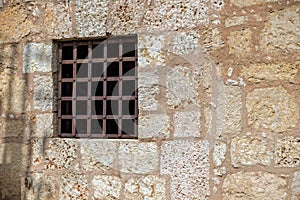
column 104, row 87
column 74, row 89
column 59, row 87
column 120, row 89
column 89, row 121
column 136, row 88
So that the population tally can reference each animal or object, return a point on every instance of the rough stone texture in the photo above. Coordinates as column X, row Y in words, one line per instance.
column 73, row 186
column 254, row 185
column 272, row 108
column 249, row 2
column 148, row 187
column 219, row 153
column 37, row 151
column 235, row 21
column 187, row 163
column 287, row 153
column 185, row 43
column 12, row 128
column 212, row 39
column 154, row 126
column 250, row 151
column 91, row 17
column 61, row 153
column 282, row 31
column 43, row 92
column 44, row 125
column 271, row 72
column 240, row 42
column 295, row 187
column 98, row 154
column 132, row 156
column 187, row 123
column 106, row 187
column 37, row 57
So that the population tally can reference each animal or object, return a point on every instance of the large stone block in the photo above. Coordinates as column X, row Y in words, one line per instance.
column 37, row 146
column 73, row 186
column 219, row 153
column 249, row 2
column 154, row 126
column 287, row 152
column 272, row 108
column 254, row 185
column 132, row 154
column 235, row 21
column 106, row 187
column 43, row 92
column 185, row 43
column 295, row 187
column 187, row 123
column 187, row 162
column 240, row 42
column 44, row 125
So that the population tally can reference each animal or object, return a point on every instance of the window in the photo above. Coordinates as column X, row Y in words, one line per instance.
column 97, row 88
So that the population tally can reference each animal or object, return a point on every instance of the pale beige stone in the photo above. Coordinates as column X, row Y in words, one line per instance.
column 219, row 153
column 251, row 151
column 187, row 123
column 212, row 39
column 270, row 72
column 73, row 186
column 287, row 152
column 154, row 126
column 13, row 128
column 254, row 185
column 44, row 125
column 240, row 42
column 148, row 187
column 235, row 21
column 217, row 4
column 272, row 108
column 295, row 187
column 132, row 154
column 106, row 187
column 185, row 43
column 43, row 92
column 37, row 151
column 249, row 2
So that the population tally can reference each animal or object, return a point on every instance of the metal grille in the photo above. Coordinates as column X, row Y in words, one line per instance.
column 98, row 88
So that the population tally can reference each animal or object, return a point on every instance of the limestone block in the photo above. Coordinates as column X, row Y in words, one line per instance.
column 154, row 126
column 287, row 152
column 272, row 108
column 14, row 156
column 185, row 43
column 13, row 128
column 249, row 2
column 37, row 57
column 187, row 162
column 147, row 187
column 250, row 151
column 8, row 55
column 219, row 153
column 61, row 153
column 43, row 92
column 73, row 186
column 282, row 31
column 187, row 123
column 295, row 187
column 217, row 4
column 37, row 151
column 212, row 39
column 98, row 154
column 132, row 154
column 254, row 185
column 271, row 72
column 240, row 42
column 91, row 17
column 44, row 125
column 106, row 187
column 235, row 21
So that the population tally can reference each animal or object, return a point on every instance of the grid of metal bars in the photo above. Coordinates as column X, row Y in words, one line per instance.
column 98, row 88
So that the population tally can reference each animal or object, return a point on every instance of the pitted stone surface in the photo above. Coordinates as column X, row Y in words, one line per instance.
column 187, row 163
column 271, row 72
column 219, row 153
column 240, row 42
column 91, row 17
column 235, row 21
column 132, row 156
column 249, row 2
column 272, row 108
column 37, row 151
column 251, row 151
column 43, row 92
column 106, row 187
column 282, row 31
column 37, row 57
column 295, row 187
column 185, row 43
column 217, row 4
column 287, row 152
column 154, row 126
column 73, row 186
column 61, row 153
column 98, row 154
column 187, row 123
column 212, row 39
column 44, row 125
column 254, row 185
column 148, row 187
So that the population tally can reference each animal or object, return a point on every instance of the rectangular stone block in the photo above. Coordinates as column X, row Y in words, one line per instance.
column 287, row 152
column 43, row 93
column 154, row 126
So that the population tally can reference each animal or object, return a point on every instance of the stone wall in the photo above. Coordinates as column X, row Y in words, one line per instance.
column 219, row 100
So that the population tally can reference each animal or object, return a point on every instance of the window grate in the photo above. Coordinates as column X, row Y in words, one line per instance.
column 97, row 95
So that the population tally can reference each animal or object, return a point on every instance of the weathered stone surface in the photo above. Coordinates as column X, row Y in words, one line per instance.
column 212, row 39
column 187, row 123
column 272, row 108
column 150, row 49
column 185, row 43
column 61, row 153
column 187, row 163
column 249, row 2
column 235, row 21
column 287, row 152
column 44, row 125
column 217, row 4
column 251, row 151
column 148, row 187
column 73, row 186
column 254, row 185
column 91, row 17
column 43, row 92
column 219, row 153
column 37, row 151
column 240, row 42
column 132, row 156
column 106, row 187
column 295, row 187
column 98, row 154
column 12, row 128
column 282, row 31
column 154, row 126
column 270, row 72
